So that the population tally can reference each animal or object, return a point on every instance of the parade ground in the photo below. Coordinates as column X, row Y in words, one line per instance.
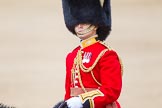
column 34, row 43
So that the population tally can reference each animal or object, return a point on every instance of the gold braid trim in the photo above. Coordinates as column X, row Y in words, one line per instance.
column 80, row 81
column 95, row 79
column 75, row 65
column 91, row 103
column 121, row 64
column 104, row 44
column 73, row 71
column 90, row 95
column 120, row 60
column 79, row 65
column 83, row 68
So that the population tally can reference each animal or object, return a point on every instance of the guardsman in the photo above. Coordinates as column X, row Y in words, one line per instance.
column 93, row 70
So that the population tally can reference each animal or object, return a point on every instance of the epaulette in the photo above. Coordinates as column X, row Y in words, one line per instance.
column 109, row 48
column 106, row 45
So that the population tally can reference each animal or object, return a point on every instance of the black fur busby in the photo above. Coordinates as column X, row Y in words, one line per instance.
column 89, row 12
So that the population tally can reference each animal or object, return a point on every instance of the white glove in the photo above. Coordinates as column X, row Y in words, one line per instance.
column 74, row 102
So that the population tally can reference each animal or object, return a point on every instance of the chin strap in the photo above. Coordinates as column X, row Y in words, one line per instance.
column 86, row 31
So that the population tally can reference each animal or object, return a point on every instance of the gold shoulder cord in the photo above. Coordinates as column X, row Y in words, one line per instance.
column 121, row 64
column 120, row 60
column 83, row 68
column 95, row 79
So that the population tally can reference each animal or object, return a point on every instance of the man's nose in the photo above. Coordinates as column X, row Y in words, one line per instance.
column 80, row 26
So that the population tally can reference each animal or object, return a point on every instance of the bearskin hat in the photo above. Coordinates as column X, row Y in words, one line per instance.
column 88, row 12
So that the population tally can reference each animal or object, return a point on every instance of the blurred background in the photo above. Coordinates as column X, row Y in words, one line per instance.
column 34, row 42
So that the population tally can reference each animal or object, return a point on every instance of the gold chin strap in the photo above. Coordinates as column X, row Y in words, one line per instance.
column 89, row 29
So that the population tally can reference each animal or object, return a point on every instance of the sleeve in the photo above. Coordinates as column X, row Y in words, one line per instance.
column 111, row 82
column 68, row 78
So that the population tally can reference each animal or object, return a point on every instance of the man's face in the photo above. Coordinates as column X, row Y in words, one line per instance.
column 80, row 28
column 85, row 31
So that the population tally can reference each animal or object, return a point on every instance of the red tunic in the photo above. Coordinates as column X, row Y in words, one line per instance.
column 107, row 72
